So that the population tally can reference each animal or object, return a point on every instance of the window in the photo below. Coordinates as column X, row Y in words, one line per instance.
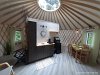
column 17, row 36
column 89, row 38
column 49, row 5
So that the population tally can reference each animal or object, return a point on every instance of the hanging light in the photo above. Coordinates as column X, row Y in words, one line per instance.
column 77, row 31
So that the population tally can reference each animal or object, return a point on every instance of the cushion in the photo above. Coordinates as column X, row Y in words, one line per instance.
column 6, row 71
column 4, row 65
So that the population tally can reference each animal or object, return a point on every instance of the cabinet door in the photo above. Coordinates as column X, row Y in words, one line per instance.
column 32, row 54
column 40, row 52
column 31, row 41
column 49, row 50
column 31, row 33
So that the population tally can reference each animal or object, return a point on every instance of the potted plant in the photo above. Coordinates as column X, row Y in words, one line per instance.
column 8, row 48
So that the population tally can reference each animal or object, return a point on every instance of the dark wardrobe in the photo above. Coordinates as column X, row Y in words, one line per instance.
column 34, row 52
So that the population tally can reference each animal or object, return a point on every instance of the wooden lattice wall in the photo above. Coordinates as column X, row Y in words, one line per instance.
column 73, row 14
column 70, row 36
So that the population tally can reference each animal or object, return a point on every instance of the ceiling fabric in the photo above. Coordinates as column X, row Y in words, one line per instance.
column 72, row 14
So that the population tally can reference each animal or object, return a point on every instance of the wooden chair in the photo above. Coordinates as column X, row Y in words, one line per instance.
column 85, row 46
column 73, row 50
column 84, row 56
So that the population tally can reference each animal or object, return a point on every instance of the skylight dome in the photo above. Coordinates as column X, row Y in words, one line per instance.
column 49, row 5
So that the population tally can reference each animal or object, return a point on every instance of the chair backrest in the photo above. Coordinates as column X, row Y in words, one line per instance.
column 85, row 46
column 69, row 46
column 85, row 52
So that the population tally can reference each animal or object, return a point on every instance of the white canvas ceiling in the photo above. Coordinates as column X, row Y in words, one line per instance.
column 73, row 14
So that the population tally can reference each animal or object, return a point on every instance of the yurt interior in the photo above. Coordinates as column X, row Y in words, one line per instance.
column 49, row 37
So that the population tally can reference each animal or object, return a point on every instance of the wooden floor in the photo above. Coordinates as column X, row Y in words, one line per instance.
column 63, row 64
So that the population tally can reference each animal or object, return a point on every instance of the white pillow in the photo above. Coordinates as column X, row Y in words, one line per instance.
column 6, row 71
